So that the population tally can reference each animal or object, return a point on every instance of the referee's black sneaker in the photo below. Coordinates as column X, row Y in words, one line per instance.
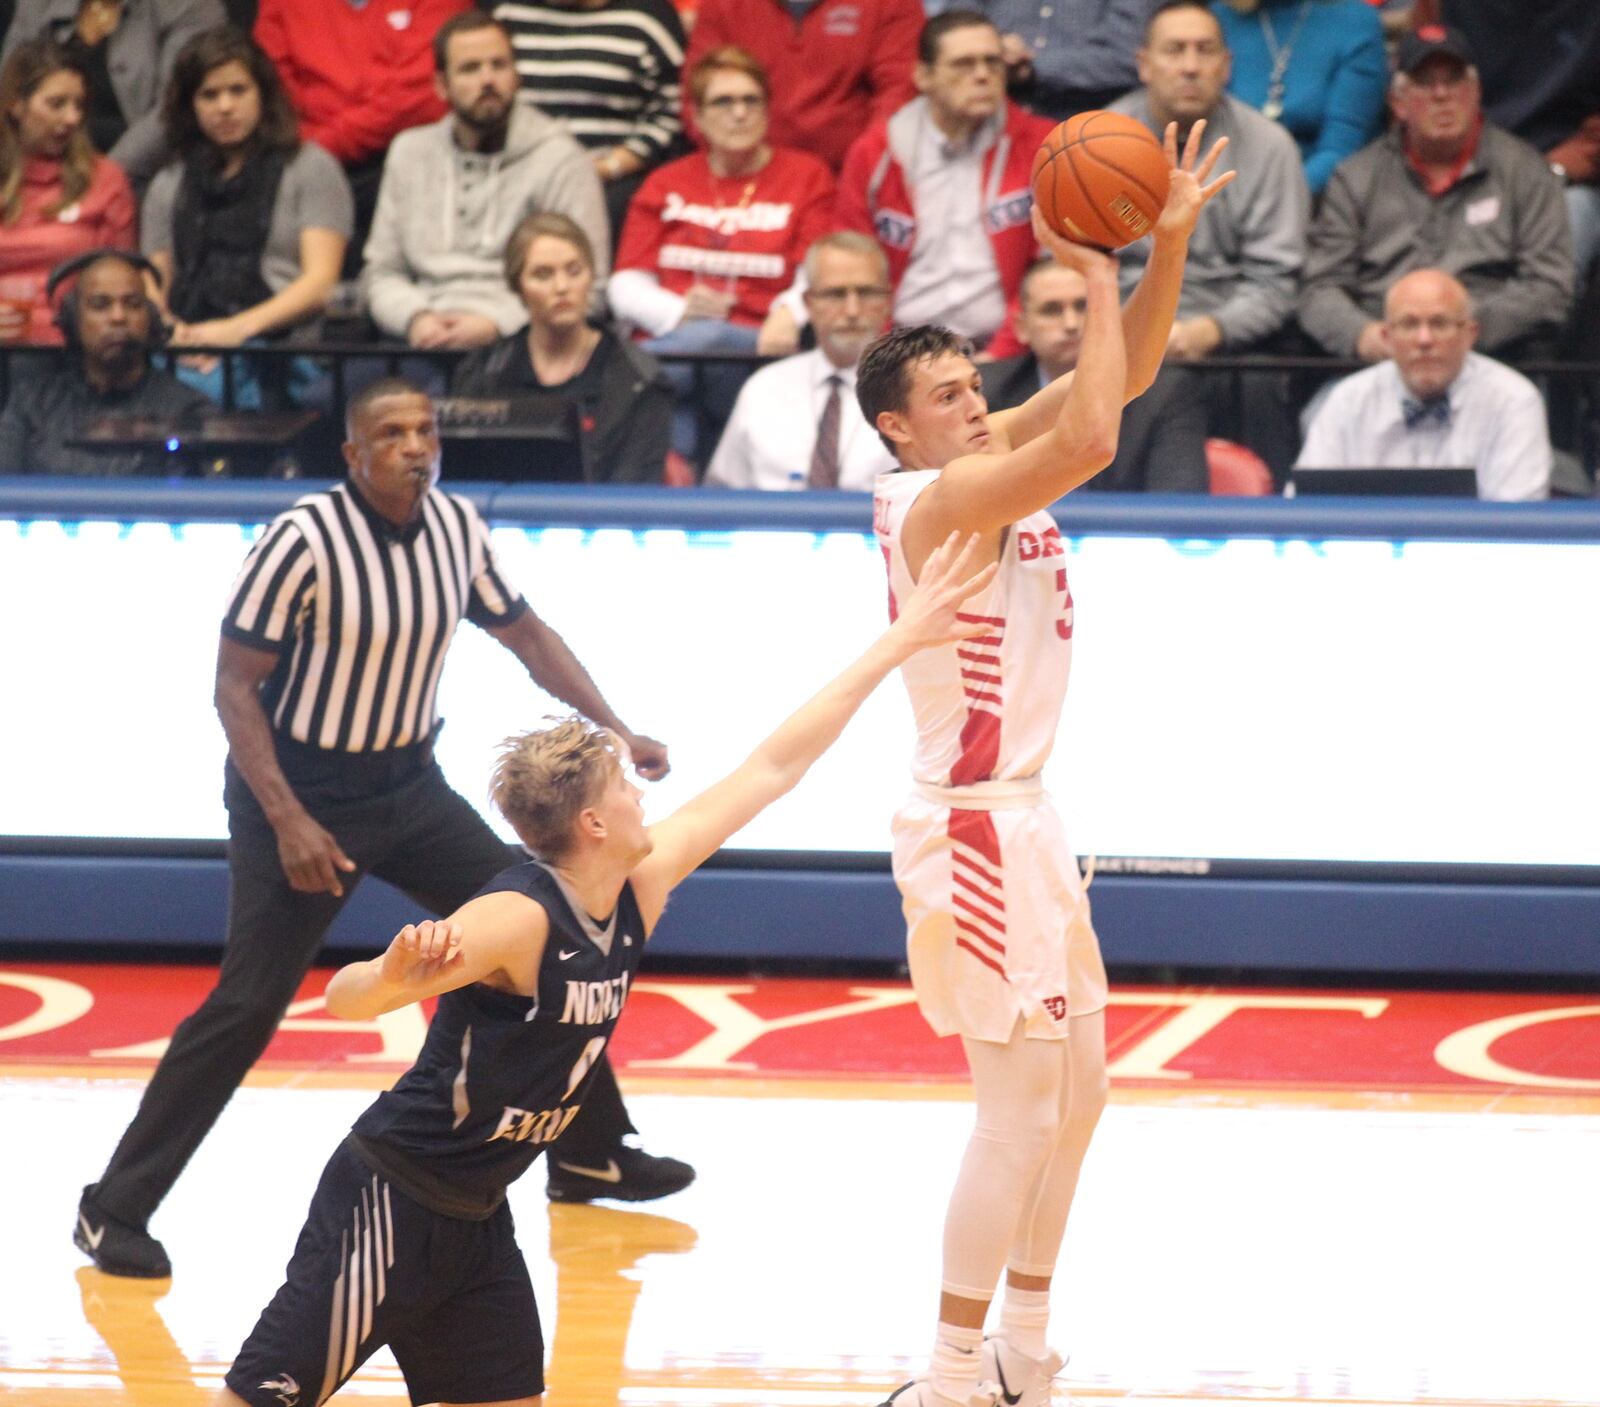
column 627, row 1175
column 116, row 1247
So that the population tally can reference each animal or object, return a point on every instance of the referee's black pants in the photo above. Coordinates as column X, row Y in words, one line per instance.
column 394, row 814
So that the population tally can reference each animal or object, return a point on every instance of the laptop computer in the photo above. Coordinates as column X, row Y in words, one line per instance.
column 526, row 438
column 1306, row 481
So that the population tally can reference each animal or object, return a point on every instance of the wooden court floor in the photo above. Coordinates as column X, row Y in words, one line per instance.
column 1241, row 1247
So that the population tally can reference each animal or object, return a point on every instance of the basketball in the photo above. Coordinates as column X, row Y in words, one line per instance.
column 1100, row 178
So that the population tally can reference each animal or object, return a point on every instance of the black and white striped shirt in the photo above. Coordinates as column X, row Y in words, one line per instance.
column 610, row 76
column 360, row 613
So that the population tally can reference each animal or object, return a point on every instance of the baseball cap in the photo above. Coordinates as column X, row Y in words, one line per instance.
column 1430, row 39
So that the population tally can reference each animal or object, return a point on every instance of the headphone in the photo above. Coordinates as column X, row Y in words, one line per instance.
column 66, row 314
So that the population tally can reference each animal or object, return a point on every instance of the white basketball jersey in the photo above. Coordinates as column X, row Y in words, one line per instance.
column 987, row 708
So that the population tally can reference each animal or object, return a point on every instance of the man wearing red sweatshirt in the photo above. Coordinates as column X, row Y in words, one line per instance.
column 835, row 65
column 359, row 72
column 945, row 184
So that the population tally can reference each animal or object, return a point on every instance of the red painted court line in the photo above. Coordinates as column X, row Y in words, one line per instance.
column 1201, row 1038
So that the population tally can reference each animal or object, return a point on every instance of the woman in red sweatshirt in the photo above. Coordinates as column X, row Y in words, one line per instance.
column 58, row 196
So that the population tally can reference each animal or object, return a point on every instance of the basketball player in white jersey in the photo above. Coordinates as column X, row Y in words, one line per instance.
column 1001, row 948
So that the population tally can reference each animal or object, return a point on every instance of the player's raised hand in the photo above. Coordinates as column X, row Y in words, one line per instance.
column 932, row 614
column 1081, row 258
column 421, row 951
column 1190, row 185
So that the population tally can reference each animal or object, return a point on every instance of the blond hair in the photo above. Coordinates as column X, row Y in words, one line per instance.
column 543, row 780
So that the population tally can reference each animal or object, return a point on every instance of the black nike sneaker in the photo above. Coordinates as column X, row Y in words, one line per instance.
column 627, row 1175
column 116, row 1247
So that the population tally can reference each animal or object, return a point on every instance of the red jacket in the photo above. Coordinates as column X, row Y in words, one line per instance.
column 875, row 198
column 104, row 216
column 685, row 226
column 357, row 78
column 843, row 66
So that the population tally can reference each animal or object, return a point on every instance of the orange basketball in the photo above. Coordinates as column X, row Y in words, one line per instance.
column 1100, row 178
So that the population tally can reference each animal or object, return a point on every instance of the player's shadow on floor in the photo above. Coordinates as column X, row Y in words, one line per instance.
column 154, row 1370
column 593, row 1247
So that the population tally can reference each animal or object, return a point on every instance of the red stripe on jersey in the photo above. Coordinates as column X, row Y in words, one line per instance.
column 981, row 620
column 988, row 897
column 978, row 656
column 984, row 958
column 979, row 934
column 985, row 639
column 992, row 880
column 979, row 696
column 888, row 566
column 975, row 830
column 978, row 913
column 980, row 676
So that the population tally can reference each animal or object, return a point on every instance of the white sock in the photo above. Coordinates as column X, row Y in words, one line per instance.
column 1024, row 1318
column 957, row 1361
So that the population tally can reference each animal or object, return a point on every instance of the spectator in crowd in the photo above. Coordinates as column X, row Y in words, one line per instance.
column 836, row 66
column 1443, row 189
column 1317, row 66
column 1544, row 89
column 453, row 192
column 1434, row 402
column 609, row 72
column 797, row 424
column 621, row 398
column 714, row 237
column 110, row 326
column 1245, row 253
column 1162, row 446
column 248, row 226
column 359, row 73
column 1064, row 56
column 126, row 50
column 946, row 183
column 58, row 196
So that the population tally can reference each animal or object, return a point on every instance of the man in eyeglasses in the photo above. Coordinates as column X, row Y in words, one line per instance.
column 796, row 424
column 1434, row 402
column 1443, row 188
column 946, row 183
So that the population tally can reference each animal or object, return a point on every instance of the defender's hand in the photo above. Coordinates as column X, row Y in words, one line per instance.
column 1187, row 188
column 420, row 952
column 932, row 614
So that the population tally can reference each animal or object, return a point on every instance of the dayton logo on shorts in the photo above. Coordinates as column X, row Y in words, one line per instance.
column 285, row 1387
column 1057, row 1007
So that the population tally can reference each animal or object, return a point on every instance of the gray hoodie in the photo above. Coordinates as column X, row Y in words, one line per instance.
column 445, row 215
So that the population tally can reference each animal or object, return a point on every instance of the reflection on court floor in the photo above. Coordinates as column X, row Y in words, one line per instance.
column 1259, row 1248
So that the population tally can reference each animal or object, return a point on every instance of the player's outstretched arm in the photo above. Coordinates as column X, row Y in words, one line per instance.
column 1149, row 312
column 495, row 938
column 988, row 491
column 929, row 616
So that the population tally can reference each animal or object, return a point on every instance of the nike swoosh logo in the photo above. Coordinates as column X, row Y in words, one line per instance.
column 91, row 1234
column 610, row 1173
column 1010, row 1398
column 565, row 956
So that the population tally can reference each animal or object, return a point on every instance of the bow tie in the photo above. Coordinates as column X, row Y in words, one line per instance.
column 1420, row 414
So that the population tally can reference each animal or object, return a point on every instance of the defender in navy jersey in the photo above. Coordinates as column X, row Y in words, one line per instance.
column 409, row 1240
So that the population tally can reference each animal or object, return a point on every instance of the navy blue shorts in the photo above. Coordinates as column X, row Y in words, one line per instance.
column 450, row 1298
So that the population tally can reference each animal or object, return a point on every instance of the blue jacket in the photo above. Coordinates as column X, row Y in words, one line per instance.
column 1336, row 81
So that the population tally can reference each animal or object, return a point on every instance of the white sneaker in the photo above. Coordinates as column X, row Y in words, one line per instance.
column 1024, row 1381
column 919, row 1393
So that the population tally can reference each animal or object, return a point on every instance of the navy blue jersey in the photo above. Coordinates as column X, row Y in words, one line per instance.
column 501, row 1076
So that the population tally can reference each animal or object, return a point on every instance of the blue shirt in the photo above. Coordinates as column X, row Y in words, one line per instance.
column 1335, row 82
column 1075, row 44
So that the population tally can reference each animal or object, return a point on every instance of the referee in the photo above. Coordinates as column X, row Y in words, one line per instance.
column 327, row 672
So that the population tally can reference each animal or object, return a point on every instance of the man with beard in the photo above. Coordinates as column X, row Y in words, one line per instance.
column 110, row 326
column 327, row 676
column 796, row 423
column 454, row 191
